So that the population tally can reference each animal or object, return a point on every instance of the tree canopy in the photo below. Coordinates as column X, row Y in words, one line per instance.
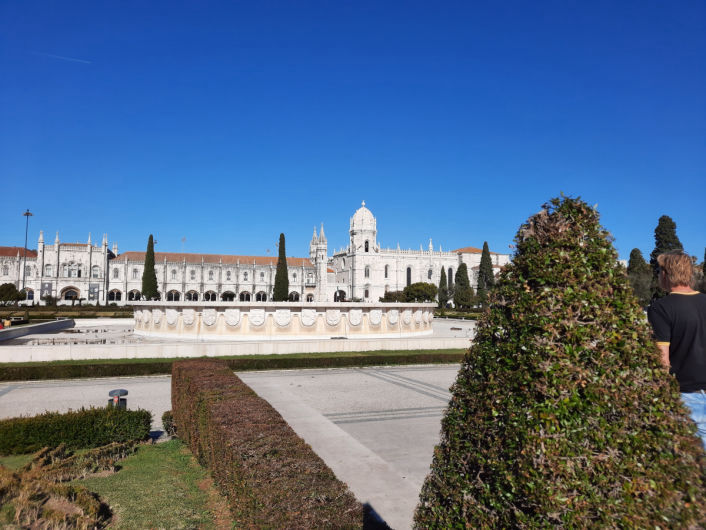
column 420, row 292
column 281, row 290
column 443, row 289
column 486, row 278
column 149, row 277
column 463, row 292
column 640, row 276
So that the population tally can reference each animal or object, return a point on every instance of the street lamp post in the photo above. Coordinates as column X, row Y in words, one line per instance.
column 27, row 215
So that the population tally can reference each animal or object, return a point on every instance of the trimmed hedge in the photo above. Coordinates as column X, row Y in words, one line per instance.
column 79, row 429
column 20, row 372
column 271, row 477
column 562, row 414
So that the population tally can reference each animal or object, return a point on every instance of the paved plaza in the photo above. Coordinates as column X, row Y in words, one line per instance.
column 376, row 427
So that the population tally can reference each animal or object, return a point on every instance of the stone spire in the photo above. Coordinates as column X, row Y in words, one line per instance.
column 89, row 238
column 322, row 237
column 41, row 236
column 56, row 240
column 314, row 238
column 431, row 247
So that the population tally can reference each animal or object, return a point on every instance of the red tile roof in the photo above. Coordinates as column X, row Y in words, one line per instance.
column 11, row 252
column 470, row 250
column 178, row 257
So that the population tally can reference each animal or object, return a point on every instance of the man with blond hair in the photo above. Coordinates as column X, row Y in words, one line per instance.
column 679, row 323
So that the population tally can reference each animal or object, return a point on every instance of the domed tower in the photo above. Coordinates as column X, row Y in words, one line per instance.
column 363, row 231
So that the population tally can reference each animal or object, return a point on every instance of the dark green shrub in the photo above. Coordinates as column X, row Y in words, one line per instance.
column 77, row 429
column 168, row 423
column 272, row 478
column 393, row 296
column 562, row 415
column 463, row 292
column 640, row 276
column 420, row 292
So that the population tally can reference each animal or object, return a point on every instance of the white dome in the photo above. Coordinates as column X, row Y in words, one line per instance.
column 363, row 219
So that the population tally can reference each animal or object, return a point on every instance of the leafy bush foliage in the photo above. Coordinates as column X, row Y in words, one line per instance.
column 168, row 423
column 561, row 414
column 9, row 294
column 77, row 429
column 272, row 478
column 393, row 296
column 420, row 292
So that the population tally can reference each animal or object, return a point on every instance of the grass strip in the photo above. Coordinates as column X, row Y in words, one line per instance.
column 127, row 367
column 161, row 486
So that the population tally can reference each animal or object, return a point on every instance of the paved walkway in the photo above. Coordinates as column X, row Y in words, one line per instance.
column 375, row 427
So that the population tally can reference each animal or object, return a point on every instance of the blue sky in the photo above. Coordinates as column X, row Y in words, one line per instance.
column 229, row 122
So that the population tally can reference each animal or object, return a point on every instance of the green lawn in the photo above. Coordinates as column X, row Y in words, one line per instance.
column 161, row 486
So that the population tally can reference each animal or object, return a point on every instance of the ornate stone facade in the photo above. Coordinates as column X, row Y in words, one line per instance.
column 362, row 271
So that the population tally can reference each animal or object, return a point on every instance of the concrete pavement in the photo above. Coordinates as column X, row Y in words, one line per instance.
column 376, row 427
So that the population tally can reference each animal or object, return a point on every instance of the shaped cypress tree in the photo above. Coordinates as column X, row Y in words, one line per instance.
column 666, row 239
column 562, row 414
column 640, row 276
column 281, row 291
column 149, row 276
column 463, row 292
column 443, row 290
column 486, row 279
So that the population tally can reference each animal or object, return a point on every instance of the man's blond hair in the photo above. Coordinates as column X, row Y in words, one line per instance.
column 678, row 267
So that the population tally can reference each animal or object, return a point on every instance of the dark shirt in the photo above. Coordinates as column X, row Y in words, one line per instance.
column 680, row 320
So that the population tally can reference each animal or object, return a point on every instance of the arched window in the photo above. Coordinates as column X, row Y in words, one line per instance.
column 28, row 271
column 30, row 294
column 116, row 273
column 227, row 276
column 450, row 276
column 245, row 296
column 245, row 276
column 294, row 276
column 70, row 294
column 174, row 274
column 262, row 276
column 387, row 270
column 114, row 296
column 210, row 276
column 261, row 297
column 367, row 271
column 192, row 274
column 228, row 296
column 47, row 270
column 294, row 296
column 310, row 298
column 78, row 272
column 429, row 273
column 210, row 296
column 367, row 294
column 134, row 295
column 173, row 296
column 135, row 274
column 409, row 275
column 95, row 271
column 5, row 270
column 367, row 246
column 192, row 296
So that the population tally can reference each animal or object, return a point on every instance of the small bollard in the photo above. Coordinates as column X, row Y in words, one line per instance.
column 116, row 399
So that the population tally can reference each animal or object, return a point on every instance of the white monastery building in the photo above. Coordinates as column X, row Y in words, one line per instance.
column 361, row 271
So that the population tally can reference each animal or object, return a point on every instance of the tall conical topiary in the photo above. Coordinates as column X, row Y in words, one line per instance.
column 640, row 276
column 463, row 292
column 562, row 415
column 149, row 276
column 486, row 279
column 281, row 291
column 443, row 290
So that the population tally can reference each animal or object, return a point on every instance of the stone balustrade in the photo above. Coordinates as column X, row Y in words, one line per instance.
column 229, row 321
